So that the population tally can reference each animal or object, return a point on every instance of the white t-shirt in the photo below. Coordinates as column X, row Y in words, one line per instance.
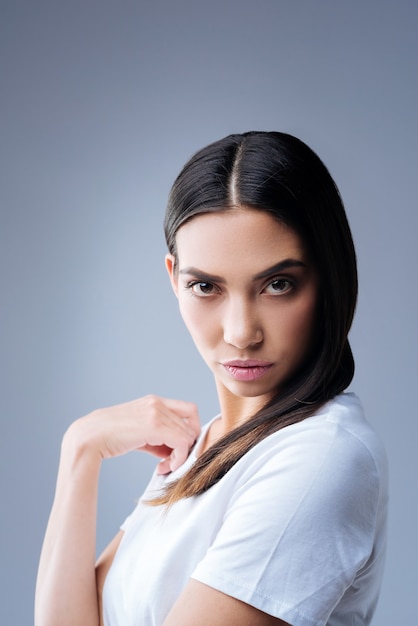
column 296, row 528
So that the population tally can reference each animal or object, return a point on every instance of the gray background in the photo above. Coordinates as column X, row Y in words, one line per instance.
column 101, row 104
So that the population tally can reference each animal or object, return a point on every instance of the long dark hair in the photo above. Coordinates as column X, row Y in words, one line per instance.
column 279, row 174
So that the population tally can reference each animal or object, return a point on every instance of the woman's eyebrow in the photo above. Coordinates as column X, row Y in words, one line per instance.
column 279, row 267
column 213, row 278
column 200, row 275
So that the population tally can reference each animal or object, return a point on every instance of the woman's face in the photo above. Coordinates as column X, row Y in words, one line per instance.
column 247, row 292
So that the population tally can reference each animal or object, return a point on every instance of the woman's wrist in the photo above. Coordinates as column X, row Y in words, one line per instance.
column 80, row 447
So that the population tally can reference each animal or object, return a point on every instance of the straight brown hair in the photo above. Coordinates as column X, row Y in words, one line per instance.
column 279, row 174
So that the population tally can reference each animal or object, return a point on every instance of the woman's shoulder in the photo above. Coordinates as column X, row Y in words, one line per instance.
column 341, row 418
column 337, row 436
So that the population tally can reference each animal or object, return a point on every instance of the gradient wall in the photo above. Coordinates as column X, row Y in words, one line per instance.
column 101, row 104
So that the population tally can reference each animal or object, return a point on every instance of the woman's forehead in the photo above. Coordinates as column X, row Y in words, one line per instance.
column 237, row 236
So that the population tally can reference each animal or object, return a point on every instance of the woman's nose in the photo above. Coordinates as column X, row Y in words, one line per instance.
column 241, row 324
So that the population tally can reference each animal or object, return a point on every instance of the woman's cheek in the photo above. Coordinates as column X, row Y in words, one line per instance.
column 192, row 316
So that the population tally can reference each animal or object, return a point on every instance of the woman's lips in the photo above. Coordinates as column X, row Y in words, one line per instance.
column 247, row 370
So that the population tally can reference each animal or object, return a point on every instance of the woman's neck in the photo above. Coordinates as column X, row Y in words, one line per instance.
column 234, row 410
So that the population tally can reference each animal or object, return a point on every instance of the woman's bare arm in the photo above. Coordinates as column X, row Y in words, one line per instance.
column 66, row 591
column 203, row 605
column 66, row 585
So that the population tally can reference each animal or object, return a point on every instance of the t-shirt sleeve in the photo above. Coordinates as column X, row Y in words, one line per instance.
column 298, row 527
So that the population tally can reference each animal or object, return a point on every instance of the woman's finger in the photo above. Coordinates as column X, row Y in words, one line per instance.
column 187, row 411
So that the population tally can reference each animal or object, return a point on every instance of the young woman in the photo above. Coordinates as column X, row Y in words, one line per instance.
column 274, row 512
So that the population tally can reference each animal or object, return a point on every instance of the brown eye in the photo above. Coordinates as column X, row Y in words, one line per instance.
column 279, row 286
column 202, row 289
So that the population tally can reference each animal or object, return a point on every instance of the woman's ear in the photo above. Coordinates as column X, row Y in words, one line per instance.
column 170, row 263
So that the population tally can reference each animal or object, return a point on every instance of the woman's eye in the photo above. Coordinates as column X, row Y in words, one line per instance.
column 279, row 285
column 202, row 289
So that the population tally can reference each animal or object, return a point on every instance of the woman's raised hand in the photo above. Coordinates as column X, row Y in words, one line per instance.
column 163, row 427
column 67, row 588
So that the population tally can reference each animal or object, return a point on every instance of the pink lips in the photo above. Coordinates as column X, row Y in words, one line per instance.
column 247, row 370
